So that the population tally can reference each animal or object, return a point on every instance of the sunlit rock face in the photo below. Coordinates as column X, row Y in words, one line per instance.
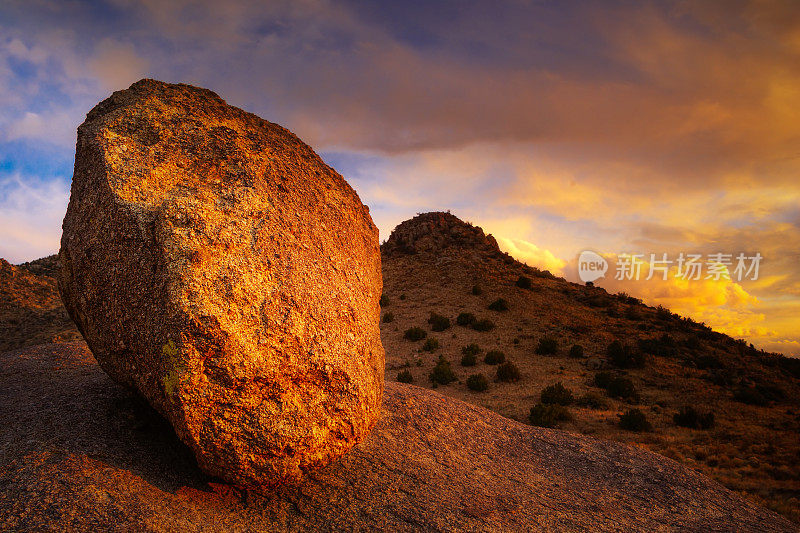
column 215, row 264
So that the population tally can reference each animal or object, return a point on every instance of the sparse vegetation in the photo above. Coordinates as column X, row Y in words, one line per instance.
column 469, row 355
column 524, row 283
column 405, row 377
column 476, row 290
column 547, row 346
column 442, row 374
column 415, row 334
column 622, row 388
column 592, row 400
column 483, row 324
column 494, row 357
column 508, row 372
column 634, row 420
column 431, row 344
column 623, row 356
column 576, row 352
column 477, row 383
column 760, row 395
column 556, row 394
column 689, row 417
column 548, row 415
column 388, row 317
column 465, row 319
column 499, row 305
column 438, row 322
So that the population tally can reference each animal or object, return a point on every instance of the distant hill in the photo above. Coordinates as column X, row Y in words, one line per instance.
column 30, row 308
column 433, row 262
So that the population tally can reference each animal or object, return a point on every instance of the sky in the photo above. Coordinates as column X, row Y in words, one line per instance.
column 622, row 127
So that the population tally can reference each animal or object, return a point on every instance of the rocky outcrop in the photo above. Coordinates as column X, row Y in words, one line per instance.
column 216, row 265
column 435, row 232
column 78, row 453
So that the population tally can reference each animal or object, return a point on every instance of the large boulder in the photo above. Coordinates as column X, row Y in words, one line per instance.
column 215, row 264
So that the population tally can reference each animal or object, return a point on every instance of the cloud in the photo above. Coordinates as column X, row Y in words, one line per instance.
column 31, row 212
column 529, row 253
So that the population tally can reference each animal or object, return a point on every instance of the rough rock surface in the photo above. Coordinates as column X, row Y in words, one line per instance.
column 435, row 232
column 79, row 453
column 215, row 264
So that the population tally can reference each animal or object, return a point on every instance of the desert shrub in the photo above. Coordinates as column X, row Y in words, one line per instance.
column 547, row 345
column 499, row 305
column 384, row 301
column 632, row 313
column 515, row 341
column 623, row 356
column 477, row 383
column 708, row 361
column 663, row 346
column 524, row 283
column 791, row 365
column 689, row 417
column 415, row 334
column 471, row 349
column 761, row 394
column 442, row 374
column 602, row 379
column 388, row 317
column 494, row 357
column 403, row 296
column 692, row 342
column 599, row 301
column 469, row 359
column 484, row 324
column 508, row 372
column 576, row 351
column 623, row 388
column 548, row 415
column 662, row 313
column 476, row 290
column 556, row 394
column 465, row 319
column 405, row 377
column 438, row 322
column 634, row 420
column 431, row 344
column 592, row 400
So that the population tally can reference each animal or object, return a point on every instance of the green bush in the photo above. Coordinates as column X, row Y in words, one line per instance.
column 431, row 344
column 388, row 317
column 477, row 383
column 384, row 301
column 623, row 356
column 556, row 394
column 592, row 400
column 576, row 351
column 548, row 415
column 415, row 334
column 438, row 322
column 476, row 290
column 469, row 354
column 499, row 305
column 405, row 377
column 508, row 372
column 524, row 283
column 623, row 388
column 442, row 374
column 465, row 319
column 494, row 357
column 689, row 417
column 634, row 420
column 483, row 324
column 547, row 346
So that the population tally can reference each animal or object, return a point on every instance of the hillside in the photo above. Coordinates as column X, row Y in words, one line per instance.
column 79, row 453
column 433, row 262
column 31, row 311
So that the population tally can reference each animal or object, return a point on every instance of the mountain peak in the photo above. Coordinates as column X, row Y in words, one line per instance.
column 435, row 231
